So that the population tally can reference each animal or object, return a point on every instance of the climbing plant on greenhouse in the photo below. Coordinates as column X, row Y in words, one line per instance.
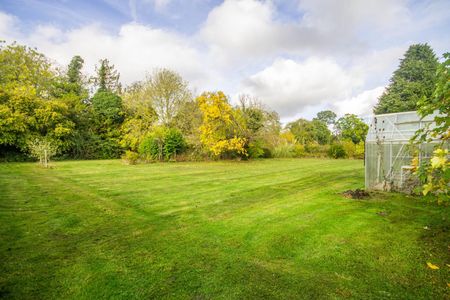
column 435, row 173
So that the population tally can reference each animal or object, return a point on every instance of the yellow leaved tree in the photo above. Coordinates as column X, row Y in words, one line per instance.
column 222, row 126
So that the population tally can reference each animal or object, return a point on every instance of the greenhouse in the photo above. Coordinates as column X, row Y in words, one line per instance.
column 388, row 150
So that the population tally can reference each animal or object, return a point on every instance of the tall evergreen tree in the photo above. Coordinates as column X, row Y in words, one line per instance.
column 414, row 79
column 74, row 69
column 107, row 78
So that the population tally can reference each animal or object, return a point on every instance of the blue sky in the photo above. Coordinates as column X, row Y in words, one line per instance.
column 185, row 16
column 297, row 56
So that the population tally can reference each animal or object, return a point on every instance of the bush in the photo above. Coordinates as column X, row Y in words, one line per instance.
column 267, row 153
column 360, row 149
column 285, row 150
column 43, row 149
column 299, row 150
column 353, row 150
column 316, row 150
column 337, row 151
column 255, row 149
column 106, row 148
column 174, row 143
column 162, row 143
column 130, row 157
column 151, row 147
column 349, row 148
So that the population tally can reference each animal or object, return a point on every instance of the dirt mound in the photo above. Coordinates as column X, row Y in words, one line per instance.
column 356, row 194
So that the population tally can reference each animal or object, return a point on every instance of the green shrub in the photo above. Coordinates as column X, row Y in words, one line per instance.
column 337, row 151
column 349, row 148
column 299, row 150
column 174, row 143
column 151, row 147
column 285, row 150
column 360, row 149
column 353, row 150
column 255, row 149
column 316, row 150
column 267, row 153
column 130, row 157
column 162, row 143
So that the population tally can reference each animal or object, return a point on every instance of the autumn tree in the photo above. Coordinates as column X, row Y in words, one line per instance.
column 222, row 127
column 414, row 79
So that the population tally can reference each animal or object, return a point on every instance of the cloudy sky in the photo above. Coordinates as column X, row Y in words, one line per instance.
column 297, row 56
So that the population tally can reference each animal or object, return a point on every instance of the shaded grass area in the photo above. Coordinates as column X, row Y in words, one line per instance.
column 223, row 230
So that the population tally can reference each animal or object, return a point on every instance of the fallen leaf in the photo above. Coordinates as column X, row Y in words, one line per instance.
column 431, row 266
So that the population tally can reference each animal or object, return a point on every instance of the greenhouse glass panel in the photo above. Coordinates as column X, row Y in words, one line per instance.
column 388, row 150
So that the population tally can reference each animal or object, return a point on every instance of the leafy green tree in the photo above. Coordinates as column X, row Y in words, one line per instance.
column 350, row 127
column 302, row 130
column 321, row 133
column 28, row 107
column 107, row 78
column 310, row 131
column 327, row 116
column 414, row 79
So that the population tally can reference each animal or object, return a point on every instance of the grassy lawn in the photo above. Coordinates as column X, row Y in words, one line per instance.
column 229, row 230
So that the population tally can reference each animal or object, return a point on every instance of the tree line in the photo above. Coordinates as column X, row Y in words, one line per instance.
column 47, row 110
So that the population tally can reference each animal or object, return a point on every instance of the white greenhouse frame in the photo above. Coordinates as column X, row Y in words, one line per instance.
column 388, row 150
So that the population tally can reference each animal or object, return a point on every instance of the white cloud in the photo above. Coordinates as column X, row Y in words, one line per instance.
column 8, row 27
column 241, row 31
column 240, row 27
column 135, row 50
column 289, row 86
column 361, row 104
column 330, row 15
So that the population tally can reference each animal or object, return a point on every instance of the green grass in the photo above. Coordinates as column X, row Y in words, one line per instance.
column 222, row 230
